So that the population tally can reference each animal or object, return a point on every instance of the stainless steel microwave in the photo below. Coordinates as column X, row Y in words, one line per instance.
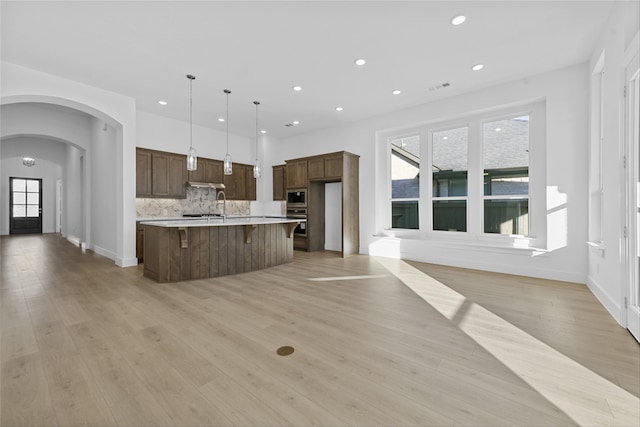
column 297, row 197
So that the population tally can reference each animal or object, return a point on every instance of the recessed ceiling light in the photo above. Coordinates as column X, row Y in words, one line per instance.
column 297, row 88
column 477, row 67
column 396, row 92
column 295, row 122
column 457, row 20
column 445, row 138
column 220, row 119
column 338, row 108
column 360, row 62
column 263, row 131
column 162, row 102
column 498, row 129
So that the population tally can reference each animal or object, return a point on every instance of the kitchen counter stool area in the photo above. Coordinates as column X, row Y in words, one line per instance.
column 190, row 250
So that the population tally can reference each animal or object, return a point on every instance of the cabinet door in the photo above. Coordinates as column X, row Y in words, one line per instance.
column 160, row 174
column 198, row 174
column 143, row 173
column 279, row 189
column 316, row 168
column 177, row 176
column 297, row 174
column 236, row 183
column 214, row 171
column 250, row 184
column 333, row 166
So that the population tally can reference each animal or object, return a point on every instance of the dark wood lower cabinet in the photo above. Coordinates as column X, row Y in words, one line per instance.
column 214, row 251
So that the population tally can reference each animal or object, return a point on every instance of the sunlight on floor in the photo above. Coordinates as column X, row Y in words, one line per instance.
column 330, row 279
column 580, row 393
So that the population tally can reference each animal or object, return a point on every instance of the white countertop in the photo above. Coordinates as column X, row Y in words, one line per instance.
column 218, row 222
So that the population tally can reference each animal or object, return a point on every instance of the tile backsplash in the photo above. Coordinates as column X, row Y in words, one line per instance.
column 198, row 201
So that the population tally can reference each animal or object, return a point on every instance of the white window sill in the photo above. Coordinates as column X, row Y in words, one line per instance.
column 597, row 247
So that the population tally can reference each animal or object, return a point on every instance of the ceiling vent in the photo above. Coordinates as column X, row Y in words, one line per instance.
column 440, row 86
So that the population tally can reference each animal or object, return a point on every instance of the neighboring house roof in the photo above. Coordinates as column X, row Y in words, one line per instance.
column 507, row 147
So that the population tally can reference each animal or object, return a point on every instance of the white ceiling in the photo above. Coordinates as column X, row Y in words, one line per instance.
column 259, row 50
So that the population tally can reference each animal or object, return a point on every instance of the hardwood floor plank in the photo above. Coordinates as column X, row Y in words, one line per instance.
column 24, row 394
column 377, row 342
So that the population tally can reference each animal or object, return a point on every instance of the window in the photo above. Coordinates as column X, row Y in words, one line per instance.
column 405, row 182
column 449, row 179
column 479, row 176
column 506, row 176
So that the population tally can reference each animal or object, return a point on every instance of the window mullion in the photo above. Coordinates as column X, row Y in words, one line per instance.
column 476, row 182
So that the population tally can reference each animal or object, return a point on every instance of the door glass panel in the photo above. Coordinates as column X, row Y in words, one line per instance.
column 33, row 199
column 19, row 198
column 33, row 186
column 19, row 185
column 32, row 211
column 19, row 211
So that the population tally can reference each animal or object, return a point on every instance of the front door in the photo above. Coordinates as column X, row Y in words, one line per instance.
column 25, row 205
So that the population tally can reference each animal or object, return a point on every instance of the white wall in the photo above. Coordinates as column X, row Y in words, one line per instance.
column 72, row 220
column 24, row 85
column 103, row 188
column 50, row 163
column 606, row 274
column 565, row 92
column 165, row 134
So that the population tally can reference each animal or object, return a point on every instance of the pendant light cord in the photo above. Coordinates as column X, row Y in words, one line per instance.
column 191, row 112
column 227, row 91
column 257, row 103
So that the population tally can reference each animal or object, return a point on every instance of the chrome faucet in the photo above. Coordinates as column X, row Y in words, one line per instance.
column 224, row 204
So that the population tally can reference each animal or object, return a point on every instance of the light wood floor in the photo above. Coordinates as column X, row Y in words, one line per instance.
column 377, row 342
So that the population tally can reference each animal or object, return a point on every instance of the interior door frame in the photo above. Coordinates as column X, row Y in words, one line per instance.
column 631, row 294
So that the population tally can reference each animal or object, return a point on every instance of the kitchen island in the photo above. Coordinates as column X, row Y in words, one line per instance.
column 192, row 249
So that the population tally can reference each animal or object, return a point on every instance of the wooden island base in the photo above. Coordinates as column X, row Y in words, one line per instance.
column 174, row 254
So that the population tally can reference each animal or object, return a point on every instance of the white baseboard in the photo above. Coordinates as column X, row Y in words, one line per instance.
column 104, row 252
column 73, row 239
column 126, row 262
column 610, row 305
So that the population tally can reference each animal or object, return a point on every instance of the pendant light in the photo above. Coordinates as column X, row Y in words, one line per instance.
column 257, row 169
column 192, row 156
column 228, row 164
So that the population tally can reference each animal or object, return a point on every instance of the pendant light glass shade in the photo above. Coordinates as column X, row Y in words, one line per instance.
column 192, row 159
column 228, row 163
column 257, row 169
column 192, row 155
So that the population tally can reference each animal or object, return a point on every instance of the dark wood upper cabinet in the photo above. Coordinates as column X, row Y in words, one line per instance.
column 250, row 184
column 143, row 173
column 177, row 176
column 160, row 174
column 236, row 183
column 297, row 173
column 279, row 187
column 209, row 170
column 315, row 168
column 333, row 165
column 214, row 171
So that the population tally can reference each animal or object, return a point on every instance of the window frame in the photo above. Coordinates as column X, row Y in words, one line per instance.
column 538, row 191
